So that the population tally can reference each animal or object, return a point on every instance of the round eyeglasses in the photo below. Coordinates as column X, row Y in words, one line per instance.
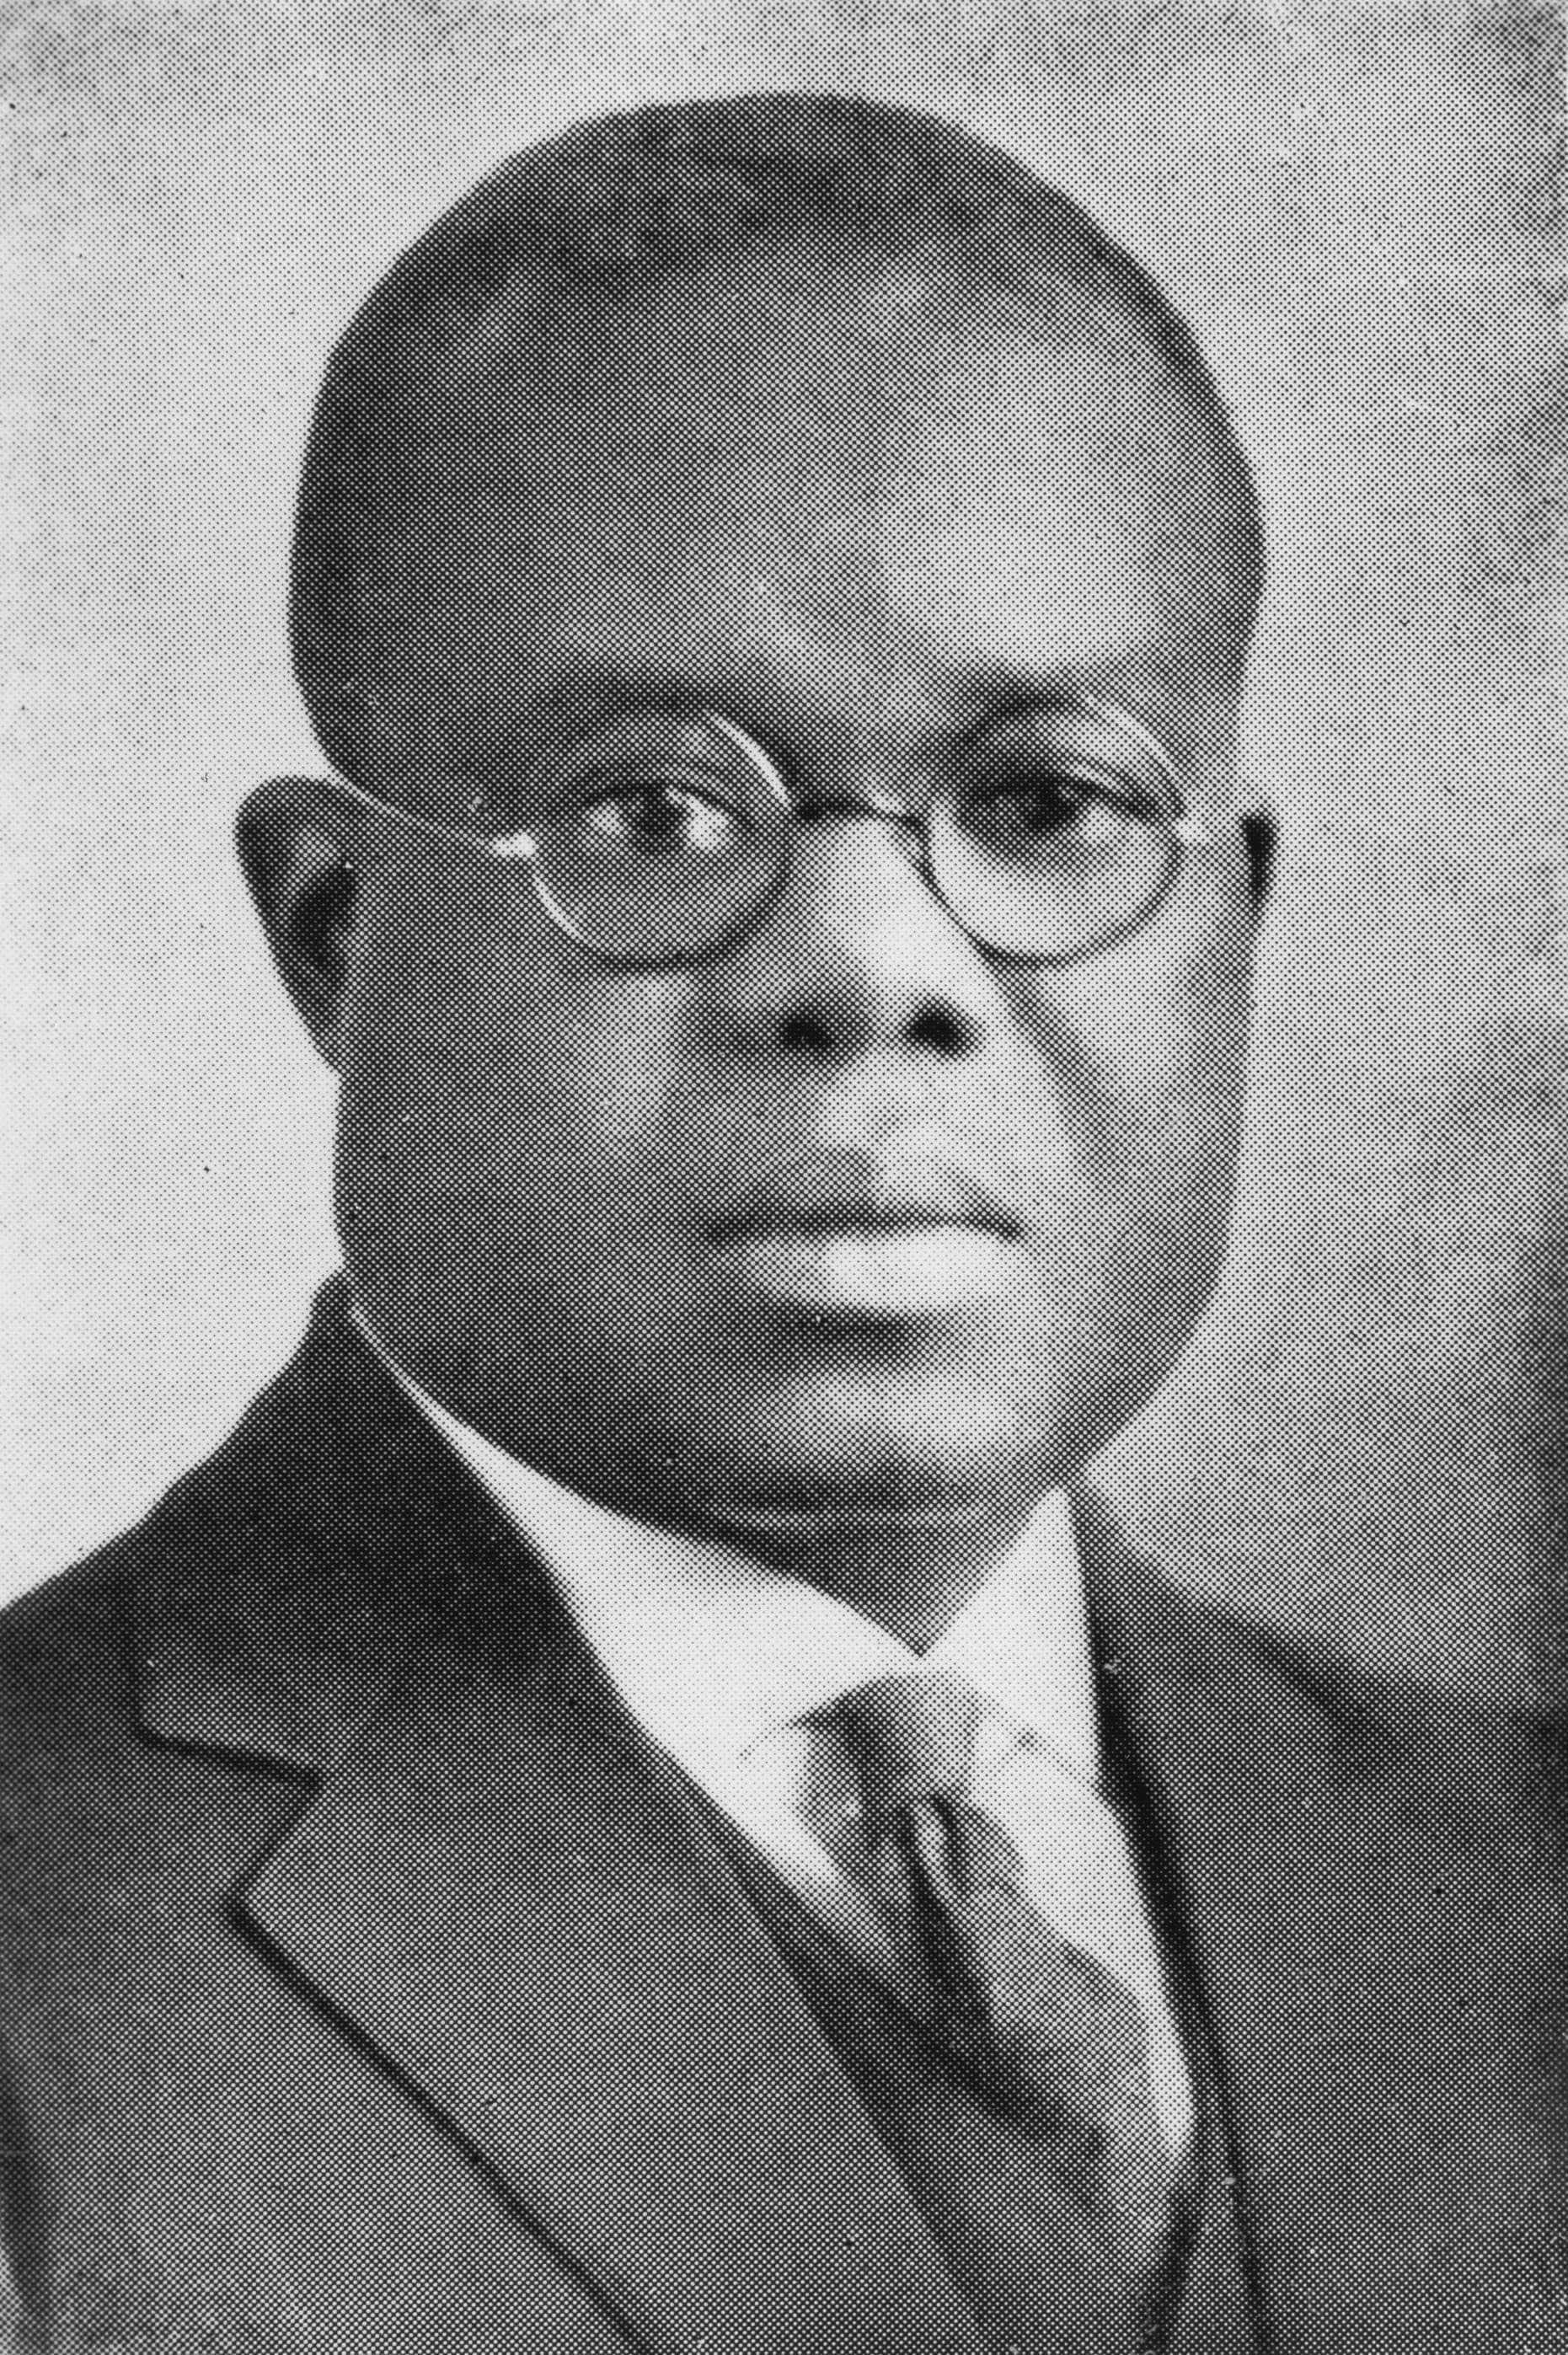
column 665, row 838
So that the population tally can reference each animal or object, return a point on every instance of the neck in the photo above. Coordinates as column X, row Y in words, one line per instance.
column 910, row 1573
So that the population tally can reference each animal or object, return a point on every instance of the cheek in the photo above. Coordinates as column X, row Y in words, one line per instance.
column 1157, row 1058
column 489, row 1074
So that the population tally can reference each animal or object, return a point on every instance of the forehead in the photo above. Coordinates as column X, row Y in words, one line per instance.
column 862, row 466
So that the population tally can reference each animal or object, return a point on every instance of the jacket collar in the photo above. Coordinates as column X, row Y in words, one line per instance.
column 291, row 1574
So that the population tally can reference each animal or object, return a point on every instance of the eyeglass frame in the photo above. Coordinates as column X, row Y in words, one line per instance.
column 519, row 848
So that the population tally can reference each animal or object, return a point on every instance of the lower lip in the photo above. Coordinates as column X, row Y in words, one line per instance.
column 873, row 1270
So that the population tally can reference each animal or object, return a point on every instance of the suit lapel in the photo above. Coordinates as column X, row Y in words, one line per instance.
column 1388, row 2120
column 525, row 1913
column 1215, row 2313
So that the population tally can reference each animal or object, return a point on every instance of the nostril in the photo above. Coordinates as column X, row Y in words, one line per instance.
column 806, row 1034
column 937, row 1029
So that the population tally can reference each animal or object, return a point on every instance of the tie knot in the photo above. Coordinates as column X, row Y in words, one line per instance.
column 910, row 1736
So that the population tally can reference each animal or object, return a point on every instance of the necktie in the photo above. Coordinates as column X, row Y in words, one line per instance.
column 1044, row 2031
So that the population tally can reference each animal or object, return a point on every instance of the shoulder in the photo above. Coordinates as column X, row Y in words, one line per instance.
column 68, row 1647
column 68, row 1659
column 271, row 1589
column 1294, row 1727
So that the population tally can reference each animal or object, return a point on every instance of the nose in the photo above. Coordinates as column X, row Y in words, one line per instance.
column 858, row 952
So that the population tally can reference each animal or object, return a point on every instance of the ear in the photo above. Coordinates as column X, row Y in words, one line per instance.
column 296, row 844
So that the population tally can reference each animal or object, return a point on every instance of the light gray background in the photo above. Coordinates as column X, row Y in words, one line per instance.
column 1355, row 205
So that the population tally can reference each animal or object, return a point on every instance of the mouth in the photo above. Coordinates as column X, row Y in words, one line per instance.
column 905, row 1187
column 871, row 1235
column 871, row 1270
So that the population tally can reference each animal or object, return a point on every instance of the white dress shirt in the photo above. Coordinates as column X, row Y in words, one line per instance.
column 720, row 1659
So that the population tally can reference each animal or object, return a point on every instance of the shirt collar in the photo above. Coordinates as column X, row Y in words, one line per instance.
column 713, row 1651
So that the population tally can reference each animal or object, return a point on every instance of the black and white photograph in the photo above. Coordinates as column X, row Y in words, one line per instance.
column 784, row 1565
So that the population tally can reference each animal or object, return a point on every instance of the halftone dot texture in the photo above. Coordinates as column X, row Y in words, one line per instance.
column 1402, row 1931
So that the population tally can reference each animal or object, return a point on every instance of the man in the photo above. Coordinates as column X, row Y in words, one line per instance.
column 773, row 582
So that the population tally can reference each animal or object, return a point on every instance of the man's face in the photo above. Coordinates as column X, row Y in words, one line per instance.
column 852, row 1222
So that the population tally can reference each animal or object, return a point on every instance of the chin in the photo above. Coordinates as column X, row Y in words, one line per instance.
column 846, row 1457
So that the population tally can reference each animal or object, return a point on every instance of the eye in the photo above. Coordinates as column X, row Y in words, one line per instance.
column 1046, row 811
column 659, row 816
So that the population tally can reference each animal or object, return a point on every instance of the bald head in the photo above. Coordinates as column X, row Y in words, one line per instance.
column 653, row 302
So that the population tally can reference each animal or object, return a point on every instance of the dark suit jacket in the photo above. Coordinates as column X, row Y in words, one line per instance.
column 368, row 1986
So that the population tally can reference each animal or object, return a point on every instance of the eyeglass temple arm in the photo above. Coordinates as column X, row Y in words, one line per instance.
column 518, row 845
